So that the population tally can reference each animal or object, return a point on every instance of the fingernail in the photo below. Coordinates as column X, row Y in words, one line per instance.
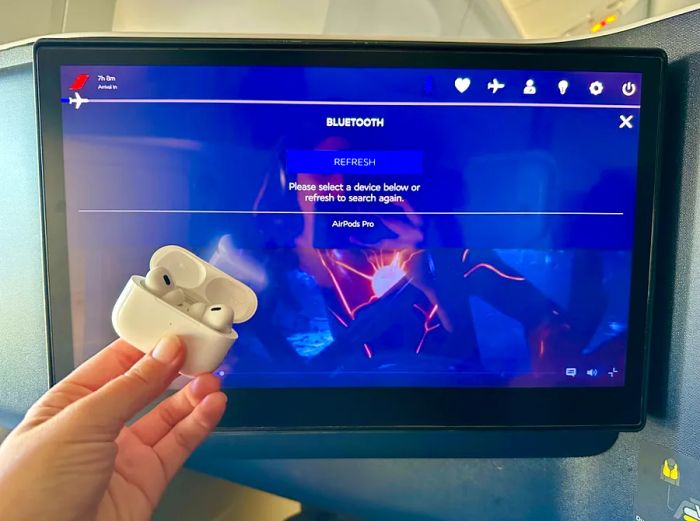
column 167, row 349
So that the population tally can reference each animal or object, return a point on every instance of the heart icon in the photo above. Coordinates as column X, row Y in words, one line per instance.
column 462, row 84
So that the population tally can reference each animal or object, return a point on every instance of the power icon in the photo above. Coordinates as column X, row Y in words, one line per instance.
column 629, row 88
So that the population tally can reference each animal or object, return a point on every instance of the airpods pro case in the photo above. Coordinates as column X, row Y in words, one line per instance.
column 142, row 318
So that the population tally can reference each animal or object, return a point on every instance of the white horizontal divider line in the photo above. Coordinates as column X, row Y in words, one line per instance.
column 286, row 212
column 360, row 103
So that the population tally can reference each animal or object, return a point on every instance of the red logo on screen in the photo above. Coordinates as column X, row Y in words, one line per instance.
column 79, row 82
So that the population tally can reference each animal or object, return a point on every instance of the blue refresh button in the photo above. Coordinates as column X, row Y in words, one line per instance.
column 354, row 162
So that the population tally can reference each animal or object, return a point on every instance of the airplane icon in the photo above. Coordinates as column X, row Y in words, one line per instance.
column 77, row 100
column 494, row 85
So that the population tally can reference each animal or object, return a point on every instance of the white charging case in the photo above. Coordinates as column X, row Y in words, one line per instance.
column 141, row 318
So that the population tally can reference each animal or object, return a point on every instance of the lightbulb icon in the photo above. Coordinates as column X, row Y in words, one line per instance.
column 563, row 85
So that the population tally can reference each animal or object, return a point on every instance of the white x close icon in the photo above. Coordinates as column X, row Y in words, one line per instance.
column 626, row 121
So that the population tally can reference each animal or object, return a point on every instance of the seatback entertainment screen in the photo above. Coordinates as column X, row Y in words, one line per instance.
column 402, row 227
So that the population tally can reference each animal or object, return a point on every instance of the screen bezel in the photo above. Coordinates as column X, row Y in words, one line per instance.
column 621, row 408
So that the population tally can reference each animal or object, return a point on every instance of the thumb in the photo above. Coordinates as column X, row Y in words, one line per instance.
column 115, row 403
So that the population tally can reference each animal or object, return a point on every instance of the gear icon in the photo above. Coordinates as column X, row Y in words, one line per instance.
column 596, row 88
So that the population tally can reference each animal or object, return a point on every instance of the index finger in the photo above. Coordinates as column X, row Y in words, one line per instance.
column 111, row 362
column 114, row 360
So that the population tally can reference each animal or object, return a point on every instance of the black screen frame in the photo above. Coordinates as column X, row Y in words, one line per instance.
column 618, row 408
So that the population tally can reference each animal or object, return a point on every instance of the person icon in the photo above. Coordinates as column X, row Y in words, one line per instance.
column 530, row 87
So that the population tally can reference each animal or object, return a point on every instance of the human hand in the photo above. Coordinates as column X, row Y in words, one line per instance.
column 74, row 458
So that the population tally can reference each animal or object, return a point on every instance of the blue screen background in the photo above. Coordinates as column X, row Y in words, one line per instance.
column 509, row 264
